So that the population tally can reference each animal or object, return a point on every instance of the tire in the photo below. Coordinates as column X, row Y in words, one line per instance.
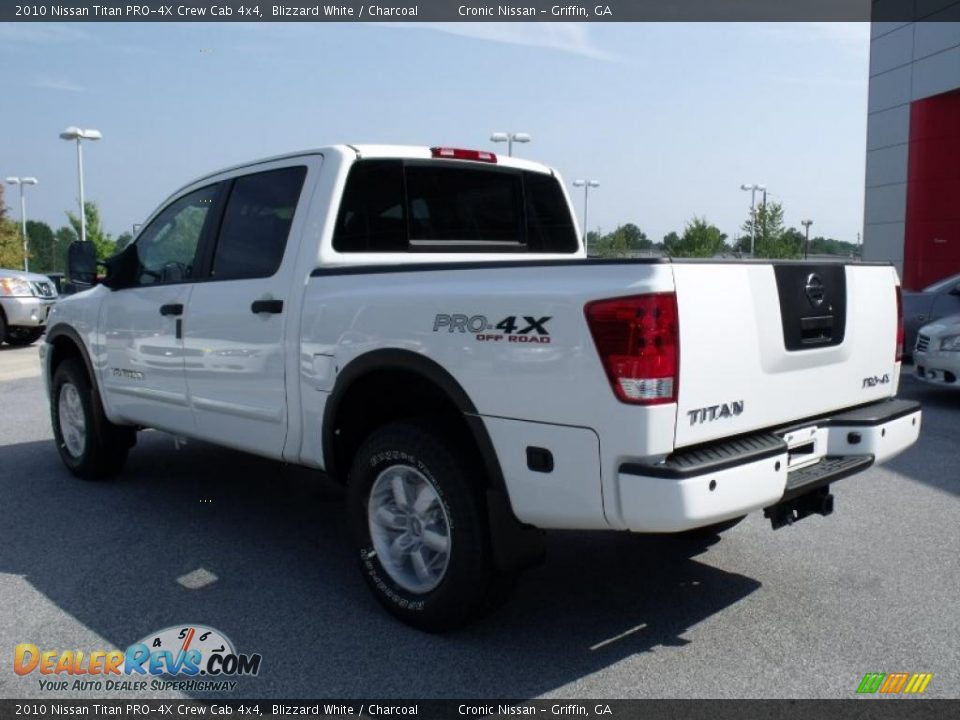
column 91, row 446
column 3, row 326
column 20, row 336
column 454, row 579
column 711, row 530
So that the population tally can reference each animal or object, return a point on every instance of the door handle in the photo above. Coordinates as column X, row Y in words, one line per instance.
column 171, row 309
column 272, row 307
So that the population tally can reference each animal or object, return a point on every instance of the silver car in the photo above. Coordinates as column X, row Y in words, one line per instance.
column 936, row 355
column 25, row 302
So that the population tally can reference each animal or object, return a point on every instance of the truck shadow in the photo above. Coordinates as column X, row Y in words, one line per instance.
column 941, row 408
column 109, row 554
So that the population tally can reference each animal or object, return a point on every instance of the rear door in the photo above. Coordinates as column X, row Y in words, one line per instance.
column 764, row 345
column 234, row 325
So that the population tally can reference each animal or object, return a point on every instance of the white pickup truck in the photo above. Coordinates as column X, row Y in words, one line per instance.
column 423, row 324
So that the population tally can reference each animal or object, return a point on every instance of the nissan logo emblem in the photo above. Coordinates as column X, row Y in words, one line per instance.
column 814, row 289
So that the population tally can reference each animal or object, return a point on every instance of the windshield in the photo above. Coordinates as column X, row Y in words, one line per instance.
column 942, row 284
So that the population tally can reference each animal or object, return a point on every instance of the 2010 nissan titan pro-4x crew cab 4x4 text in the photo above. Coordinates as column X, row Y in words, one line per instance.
column 423, row 325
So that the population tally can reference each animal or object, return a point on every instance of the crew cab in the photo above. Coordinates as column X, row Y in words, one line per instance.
column 424, row 326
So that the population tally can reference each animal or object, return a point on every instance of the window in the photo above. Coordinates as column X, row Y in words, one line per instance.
column 549, row 225
column 372, row 215
column 462, row 206
column 167, row 248
column 256, row 223
column 395, row 206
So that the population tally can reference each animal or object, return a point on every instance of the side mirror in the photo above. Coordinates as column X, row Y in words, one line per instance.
column 82, row 263
column 121, row 268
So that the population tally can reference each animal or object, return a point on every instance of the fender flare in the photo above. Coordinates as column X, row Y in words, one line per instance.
column 430, row 370
column 63, row 330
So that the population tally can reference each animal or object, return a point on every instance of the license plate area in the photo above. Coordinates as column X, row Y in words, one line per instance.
column 805, row 446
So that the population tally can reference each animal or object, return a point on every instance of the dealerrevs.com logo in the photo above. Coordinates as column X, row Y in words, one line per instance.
column 894, row 683
column 182, row 657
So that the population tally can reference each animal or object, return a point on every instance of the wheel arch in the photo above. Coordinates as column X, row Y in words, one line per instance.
column 65, row 342
column 369, row 371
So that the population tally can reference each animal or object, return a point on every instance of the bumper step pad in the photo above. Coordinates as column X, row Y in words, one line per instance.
column 828, row 470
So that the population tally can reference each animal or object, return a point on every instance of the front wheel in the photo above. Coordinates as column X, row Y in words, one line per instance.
column 18, row 336
column 90, row 445
column 416, row 515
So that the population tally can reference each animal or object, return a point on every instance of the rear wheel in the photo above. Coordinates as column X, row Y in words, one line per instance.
column 3, row 327
column 18, row 336
column 90, row 445
column 417, row 518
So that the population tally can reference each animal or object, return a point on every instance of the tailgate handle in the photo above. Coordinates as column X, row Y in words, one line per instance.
column 815, row 330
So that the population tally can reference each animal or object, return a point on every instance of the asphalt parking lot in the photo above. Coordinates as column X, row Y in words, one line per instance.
column 801, row 612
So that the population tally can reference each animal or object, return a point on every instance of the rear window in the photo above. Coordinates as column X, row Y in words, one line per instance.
column 397, row 206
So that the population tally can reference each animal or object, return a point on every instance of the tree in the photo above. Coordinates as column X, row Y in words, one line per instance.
column 612, row 244
column 11, row 244
column 124, row 239
column 41, row 246
column 624, row 240
column 741, row 244
column 101, row 239
column 63, row 237
column 593, row 237
column 699, row 239
column 634, row 238
column 828, row 246
column 772, row 239
column 791, row 243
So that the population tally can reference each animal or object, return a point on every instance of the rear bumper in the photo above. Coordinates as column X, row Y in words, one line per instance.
column 715, row 482
column 27, row 311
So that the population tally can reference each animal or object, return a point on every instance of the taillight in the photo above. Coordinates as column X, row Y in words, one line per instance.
column 900, row 334
column 638, row 339
column 461, row 154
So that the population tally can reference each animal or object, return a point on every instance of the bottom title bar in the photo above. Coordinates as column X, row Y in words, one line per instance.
column 872, row 709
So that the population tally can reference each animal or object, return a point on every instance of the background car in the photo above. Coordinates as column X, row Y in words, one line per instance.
column 25, row 301
column 932, row 303
column 936, row 354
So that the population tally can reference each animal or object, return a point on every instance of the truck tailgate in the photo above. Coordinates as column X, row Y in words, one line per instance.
column 764, row 345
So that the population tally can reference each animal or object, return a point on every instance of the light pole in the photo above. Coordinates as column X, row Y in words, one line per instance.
column 23, row 214
column 586, row 185
column 75, row 133
column 806, row 243
column 753, row 187
column 510, row 138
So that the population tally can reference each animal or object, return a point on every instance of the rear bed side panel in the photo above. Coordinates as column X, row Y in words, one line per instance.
column 559, row 381
column 736, row 375
column 564, row 496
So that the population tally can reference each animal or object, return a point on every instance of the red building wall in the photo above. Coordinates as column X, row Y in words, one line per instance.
column 932, row 233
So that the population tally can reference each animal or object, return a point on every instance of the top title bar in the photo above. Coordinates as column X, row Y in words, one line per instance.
column 451, row 11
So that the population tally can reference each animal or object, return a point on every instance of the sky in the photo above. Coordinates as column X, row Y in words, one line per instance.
column 670, row 118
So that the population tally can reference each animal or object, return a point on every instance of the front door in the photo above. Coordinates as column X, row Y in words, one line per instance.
column 234, row 326
column 143, row 379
